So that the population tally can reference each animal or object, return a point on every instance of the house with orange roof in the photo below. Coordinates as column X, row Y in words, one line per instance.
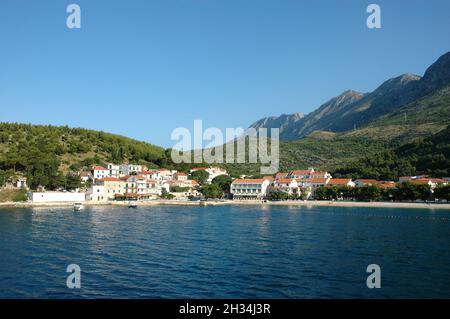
column 341, row 182
column 256, row 188
column 287, row 185
column 99, row 172
column 111, row 186
column 361, row 182
column 432, row 182
column 281, row 175
column 308, row 173
column 309, row 185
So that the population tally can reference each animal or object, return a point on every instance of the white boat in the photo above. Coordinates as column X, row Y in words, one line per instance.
column 78, row 207
column 132, row 204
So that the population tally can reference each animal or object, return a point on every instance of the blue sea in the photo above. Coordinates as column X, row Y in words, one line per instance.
column 224, row 252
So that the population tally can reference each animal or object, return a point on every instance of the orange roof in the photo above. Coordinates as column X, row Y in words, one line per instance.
column 109, row 179
column 317, row 173
column 194, row 183
column 281, row 175
column 427, row 180
column 199, row 169
column 249, row 181
column 339, row 181
column 147, row 173
column 270, row 178
column 367, row 181
column 181, row 174
column 99, row 168
column 283, row 180
column 301, row 172
column 385, row 184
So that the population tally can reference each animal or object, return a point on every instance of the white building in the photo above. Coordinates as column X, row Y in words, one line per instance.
column 310, row 185
column 100, row 172
column 287, row 185
column 339, row 182
column 96, row 193
column 112, row 187
column 127, row 169
column 114, row 170
column 56, row 197
column 250, row 188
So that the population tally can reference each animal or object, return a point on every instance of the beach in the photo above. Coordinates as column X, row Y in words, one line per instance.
column 310, row 203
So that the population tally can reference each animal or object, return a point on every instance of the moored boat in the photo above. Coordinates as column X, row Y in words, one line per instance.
column 78, row 207
column 132, row 204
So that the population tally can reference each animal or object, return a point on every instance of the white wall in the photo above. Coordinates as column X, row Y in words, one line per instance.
column 57, row 197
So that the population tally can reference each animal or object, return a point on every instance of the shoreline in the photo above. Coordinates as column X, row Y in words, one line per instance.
column 444, row 206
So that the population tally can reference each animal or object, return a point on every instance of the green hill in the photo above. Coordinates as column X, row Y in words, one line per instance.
column 46, row 154
column 430, row 156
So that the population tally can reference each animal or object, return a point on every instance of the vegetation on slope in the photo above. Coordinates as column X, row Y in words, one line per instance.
column 430, row 156
column 47, row 154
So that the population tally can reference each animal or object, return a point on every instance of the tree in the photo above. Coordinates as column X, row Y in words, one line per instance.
column 224, row 182
column 166, row 195
column 73, row 181
column 200, row 176
column 211, row 191
column 370, row 192
column 442, row 192
column 279, row 195
column 21, row 196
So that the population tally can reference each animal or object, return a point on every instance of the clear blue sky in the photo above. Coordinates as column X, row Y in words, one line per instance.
column 142, row 68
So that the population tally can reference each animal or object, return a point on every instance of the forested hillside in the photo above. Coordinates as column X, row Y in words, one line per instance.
column 430, row 156
column 47, row 154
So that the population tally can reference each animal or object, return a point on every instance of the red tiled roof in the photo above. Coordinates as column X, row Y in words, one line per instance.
column 281, row 175
column 427, row 180
column 109, row 179
column 99, row 168
column 283, row 180
column 316, row 180
column 339, row 181
column 301, row 172
column 367, row 181
column 181, row 174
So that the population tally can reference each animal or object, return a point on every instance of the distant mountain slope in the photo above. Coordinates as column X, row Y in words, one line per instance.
column 352, row 109
column 282, row 122
column 430, row 156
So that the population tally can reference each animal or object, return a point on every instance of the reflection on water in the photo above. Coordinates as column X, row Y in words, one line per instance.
column 224, row 252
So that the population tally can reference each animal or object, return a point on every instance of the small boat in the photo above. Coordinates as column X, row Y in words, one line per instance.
column 78, row 207
column 132, row 204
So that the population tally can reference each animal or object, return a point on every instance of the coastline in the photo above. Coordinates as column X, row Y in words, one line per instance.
column 431, row 206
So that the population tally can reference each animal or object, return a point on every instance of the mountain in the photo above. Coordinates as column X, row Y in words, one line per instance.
column 429, row 156
column 353, row 110
column 282, row 122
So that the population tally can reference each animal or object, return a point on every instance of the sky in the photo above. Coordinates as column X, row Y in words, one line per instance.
column 143, row 68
